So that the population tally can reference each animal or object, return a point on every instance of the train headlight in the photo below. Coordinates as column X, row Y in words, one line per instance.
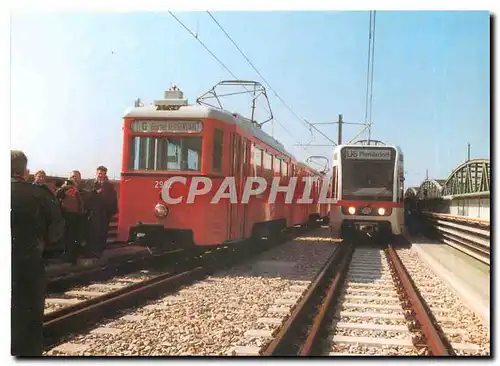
column 352, row 210
column 381, row 211
column 161, row 211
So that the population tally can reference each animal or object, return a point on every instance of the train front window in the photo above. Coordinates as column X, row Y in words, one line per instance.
column 166, row 153
column 367, row 180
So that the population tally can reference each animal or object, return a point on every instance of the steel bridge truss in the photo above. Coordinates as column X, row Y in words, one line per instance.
column 411, row 192
column 431, row 189
column 469, row 178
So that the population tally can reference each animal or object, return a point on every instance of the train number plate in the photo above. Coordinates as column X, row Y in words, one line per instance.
column 160, row 183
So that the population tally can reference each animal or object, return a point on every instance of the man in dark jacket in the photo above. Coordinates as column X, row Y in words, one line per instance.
column 41, row 181
column 36, row 220
column 71, row 197
column 102, row 204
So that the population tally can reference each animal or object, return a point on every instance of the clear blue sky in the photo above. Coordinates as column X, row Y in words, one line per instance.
column 73, row 76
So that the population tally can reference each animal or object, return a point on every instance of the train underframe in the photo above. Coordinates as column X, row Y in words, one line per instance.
column 158, row 238
column 366, row 232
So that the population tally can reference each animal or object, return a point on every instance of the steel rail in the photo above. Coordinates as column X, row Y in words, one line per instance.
column 432, row 339
column 329, row 301
column 280, row 344
column 77, row 317
column 70, row 320
column 102, row 272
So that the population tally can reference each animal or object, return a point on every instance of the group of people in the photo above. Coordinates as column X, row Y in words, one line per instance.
column 77, row 213
column 87, row 208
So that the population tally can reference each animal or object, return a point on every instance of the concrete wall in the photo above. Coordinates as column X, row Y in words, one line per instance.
column 478, row 208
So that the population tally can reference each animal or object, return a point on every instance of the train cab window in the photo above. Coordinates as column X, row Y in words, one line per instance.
column 165, row 153
column 142, row 153
column 217, row 153
column 276, row 166
column 284, row 168
column 161, row 154
column 184, row 153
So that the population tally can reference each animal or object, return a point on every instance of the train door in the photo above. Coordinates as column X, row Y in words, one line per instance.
column 246, row 150
column 236, row 171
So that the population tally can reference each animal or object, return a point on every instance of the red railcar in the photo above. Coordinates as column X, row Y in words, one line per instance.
column 173, row 139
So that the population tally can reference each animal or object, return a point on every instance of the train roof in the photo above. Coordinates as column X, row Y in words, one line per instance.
column 183, row 110
column 303, row 165
column 200, row 111
column 398, row 148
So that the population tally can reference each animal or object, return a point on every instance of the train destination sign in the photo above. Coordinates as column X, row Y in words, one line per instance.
column 368, row 154
column 167, row 126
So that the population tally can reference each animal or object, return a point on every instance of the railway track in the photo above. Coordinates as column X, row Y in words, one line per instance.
column 119, row 267
column 78, row 309
column 310, row 296
column 365, row 303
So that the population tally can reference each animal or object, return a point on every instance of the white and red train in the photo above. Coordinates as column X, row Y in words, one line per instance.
column 171, row 138
column 368, row 188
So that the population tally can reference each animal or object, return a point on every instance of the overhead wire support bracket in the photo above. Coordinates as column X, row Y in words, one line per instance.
column 326, row 167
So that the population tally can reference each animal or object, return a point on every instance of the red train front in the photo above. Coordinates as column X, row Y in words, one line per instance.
column 173, row 139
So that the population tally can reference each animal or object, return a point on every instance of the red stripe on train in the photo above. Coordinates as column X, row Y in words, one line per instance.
column 384, row 204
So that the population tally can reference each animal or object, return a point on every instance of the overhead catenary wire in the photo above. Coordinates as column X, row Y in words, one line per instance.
column 369, row 79
column 368, row 69
column 203, row 44
column 370, row 73
column 222, row 64
column 304, row 122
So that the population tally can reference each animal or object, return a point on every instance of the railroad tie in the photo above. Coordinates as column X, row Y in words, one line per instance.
column 373, row 326
column 244, row 351
column 71, row 348
column 106, row 331
column 85, row 293
column 274, row 321
column 371, row 341
column 57, row 301
column 356, row 314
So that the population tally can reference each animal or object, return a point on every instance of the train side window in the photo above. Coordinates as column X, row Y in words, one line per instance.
column 257, row 160
column 284, row 168
column 276, row 166
column 267, row 164
column 217, row 153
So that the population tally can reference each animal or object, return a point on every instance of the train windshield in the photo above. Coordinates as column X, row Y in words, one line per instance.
column 367, row 179
column 166, row 153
